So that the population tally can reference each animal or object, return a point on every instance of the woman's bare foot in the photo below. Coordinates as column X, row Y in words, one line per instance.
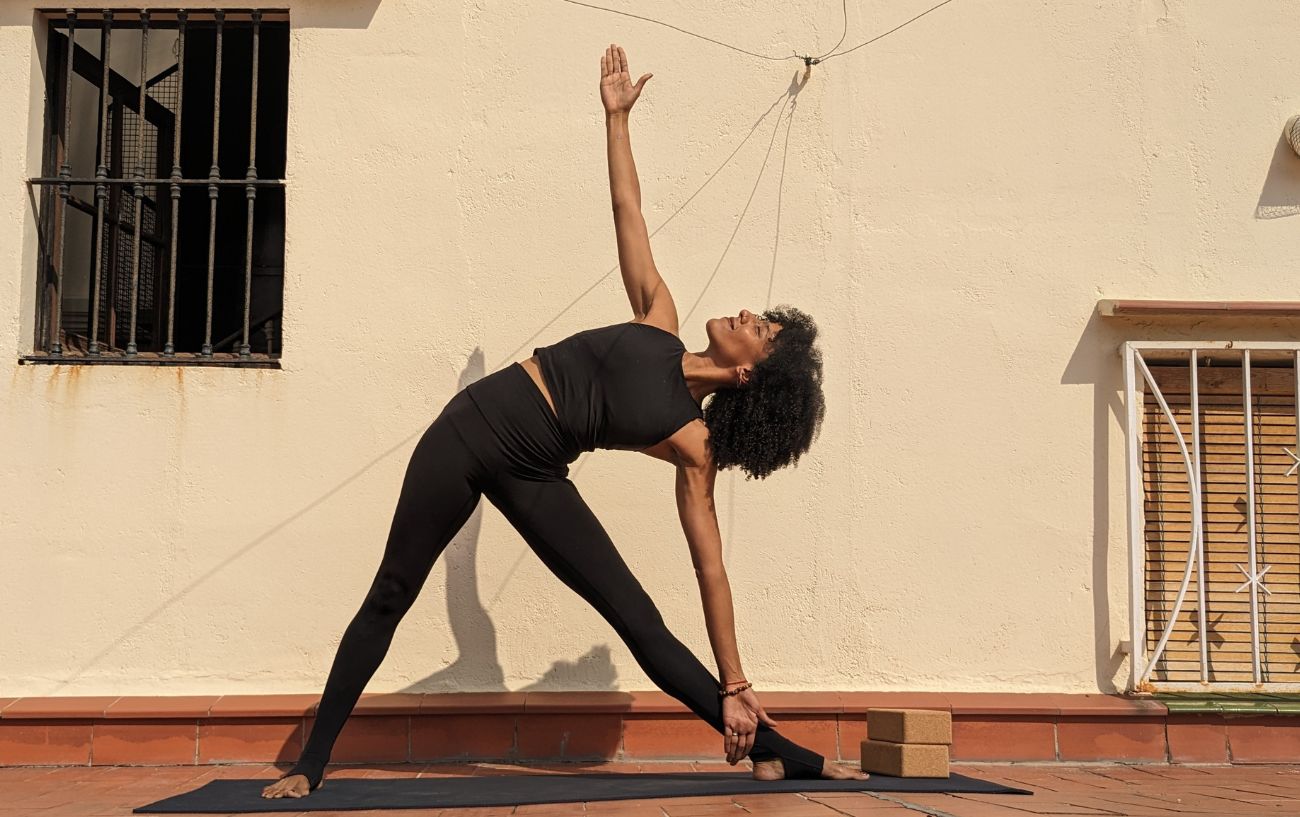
column 295, row 785
column 834, row 771
column 769, row 769
column 774, row 770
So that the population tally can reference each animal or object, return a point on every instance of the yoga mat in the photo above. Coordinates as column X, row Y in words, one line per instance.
column 348, row 794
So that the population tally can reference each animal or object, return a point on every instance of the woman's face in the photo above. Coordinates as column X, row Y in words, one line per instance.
column 743, row 340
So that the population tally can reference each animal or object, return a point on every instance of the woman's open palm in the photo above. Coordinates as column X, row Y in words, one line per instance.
column 617, row 93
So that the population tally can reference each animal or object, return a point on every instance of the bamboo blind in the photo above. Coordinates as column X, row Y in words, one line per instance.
column 1167, row 517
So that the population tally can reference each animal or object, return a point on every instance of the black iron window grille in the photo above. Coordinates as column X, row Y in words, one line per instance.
column 162, row 234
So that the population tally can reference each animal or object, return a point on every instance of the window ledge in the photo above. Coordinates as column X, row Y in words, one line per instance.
column 1111, row 308
column 224, row 359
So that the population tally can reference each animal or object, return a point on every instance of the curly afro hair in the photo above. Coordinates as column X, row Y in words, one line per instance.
column 773, row 420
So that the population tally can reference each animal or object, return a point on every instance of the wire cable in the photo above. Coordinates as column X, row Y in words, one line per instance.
column 886, row 34
column 844, row 10
column 780, row 194
column 808, row 60
column 682, row 30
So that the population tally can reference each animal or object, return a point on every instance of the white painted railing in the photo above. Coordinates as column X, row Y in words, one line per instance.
column 1144, row 661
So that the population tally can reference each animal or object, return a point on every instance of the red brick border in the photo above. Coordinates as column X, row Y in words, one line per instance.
column 402, row 727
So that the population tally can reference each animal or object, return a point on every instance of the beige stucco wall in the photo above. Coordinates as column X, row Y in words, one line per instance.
column 956, row 198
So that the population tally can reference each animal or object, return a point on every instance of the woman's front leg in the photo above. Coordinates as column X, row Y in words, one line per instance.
column 559, row 527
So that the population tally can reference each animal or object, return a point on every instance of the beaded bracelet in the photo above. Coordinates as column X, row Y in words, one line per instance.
column 724, row 693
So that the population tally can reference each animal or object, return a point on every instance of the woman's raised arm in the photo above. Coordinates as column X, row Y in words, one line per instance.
column 640, row 277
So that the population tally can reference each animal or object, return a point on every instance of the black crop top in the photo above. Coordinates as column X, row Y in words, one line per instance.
column 618, row 386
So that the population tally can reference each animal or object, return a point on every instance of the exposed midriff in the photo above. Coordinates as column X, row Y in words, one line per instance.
column 534, row 369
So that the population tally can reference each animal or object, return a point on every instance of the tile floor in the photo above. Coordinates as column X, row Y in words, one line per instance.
column 1133, row 791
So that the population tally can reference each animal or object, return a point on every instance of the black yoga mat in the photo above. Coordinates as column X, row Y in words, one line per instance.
column 348, row 794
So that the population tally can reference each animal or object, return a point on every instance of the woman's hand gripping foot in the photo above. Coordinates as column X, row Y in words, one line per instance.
column 774, row 770
column 741, row 714
column 294, row 785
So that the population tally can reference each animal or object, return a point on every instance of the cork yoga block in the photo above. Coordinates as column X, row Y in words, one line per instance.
column 909, row 725
column 905, row 759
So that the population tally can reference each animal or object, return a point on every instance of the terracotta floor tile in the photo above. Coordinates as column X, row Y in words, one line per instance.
column 703, row 800
column 1130, row 803
column 937, row 804
column 808, row 808
column 549, row 809
column 448, row 770
column 1174, row 772
column 720, row 766
column 849, row 799
column 715, row 810
column 669, row 766
column 373, row 813
column 883, row 808
column 1038, row 805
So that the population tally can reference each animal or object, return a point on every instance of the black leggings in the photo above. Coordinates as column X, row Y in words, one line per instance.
column 500, row 438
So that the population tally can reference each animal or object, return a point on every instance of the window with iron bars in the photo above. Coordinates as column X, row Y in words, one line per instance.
column 162, row 197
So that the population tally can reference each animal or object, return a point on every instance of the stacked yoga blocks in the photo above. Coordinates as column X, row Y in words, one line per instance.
column 907, row 742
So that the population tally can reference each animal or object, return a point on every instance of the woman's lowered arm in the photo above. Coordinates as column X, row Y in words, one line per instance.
column 700, row 524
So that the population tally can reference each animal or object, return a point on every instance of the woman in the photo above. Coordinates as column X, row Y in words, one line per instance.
column 511, row 435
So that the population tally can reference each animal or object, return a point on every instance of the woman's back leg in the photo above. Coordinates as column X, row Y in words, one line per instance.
column 438, row 495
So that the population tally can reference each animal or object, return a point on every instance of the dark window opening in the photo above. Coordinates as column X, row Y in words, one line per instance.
column 146, row 253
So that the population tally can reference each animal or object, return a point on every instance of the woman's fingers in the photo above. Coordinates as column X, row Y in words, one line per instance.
column 733, row 742
column 622, row 59
column 739, row 740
